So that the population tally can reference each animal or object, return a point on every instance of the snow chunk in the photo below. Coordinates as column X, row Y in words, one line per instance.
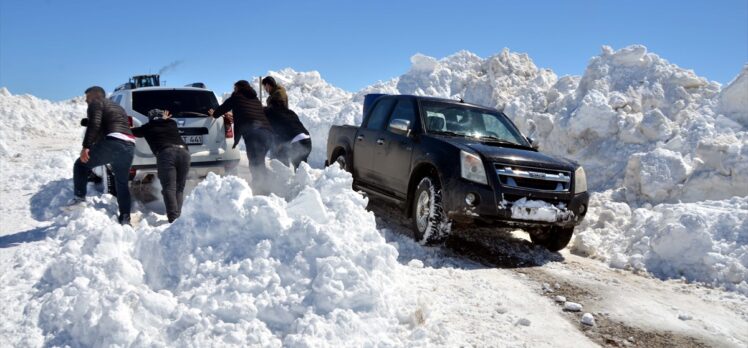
column 572, row 306
column 588, row 319
column 525, row 209
column 734, row 98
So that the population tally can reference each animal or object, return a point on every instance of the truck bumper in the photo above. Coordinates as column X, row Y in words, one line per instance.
column 197, row 169
column 495, row 208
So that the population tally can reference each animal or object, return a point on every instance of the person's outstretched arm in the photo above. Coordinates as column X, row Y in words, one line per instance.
column 222, row 109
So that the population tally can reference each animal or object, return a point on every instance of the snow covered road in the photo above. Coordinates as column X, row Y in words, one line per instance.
column 665, row 238
column 629, row 309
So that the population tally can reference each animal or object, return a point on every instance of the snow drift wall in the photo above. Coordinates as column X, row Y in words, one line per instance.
column 649, row 133
column 25, row 117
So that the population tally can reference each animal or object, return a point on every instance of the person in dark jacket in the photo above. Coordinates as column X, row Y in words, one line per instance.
column 277, row 96
column 172, row 158
column 108, row 140
column 293, row 143
column 251, row 124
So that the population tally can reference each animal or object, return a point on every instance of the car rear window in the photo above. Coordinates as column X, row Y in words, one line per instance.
column 181, row 103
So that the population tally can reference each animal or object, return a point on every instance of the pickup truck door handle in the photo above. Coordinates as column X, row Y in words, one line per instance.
column 380, row 141
column 360, row 137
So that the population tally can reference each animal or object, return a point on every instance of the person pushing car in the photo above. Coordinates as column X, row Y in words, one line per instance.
column 108, row 140
column 251, row 124
column 172, row 158
column 292, row 141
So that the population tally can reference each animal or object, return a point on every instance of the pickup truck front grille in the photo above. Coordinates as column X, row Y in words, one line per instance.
column 530, row 178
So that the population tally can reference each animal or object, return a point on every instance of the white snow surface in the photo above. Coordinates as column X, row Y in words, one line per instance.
column 665, row 153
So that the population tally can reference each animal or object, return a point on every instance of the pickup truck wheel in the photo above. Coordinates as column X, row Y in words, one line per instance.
column 342, row 161
column 430, row 222
column 554, row 238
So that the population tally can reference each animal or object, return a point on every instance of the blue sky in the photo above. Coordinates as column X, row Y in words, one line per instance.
column 55, row 49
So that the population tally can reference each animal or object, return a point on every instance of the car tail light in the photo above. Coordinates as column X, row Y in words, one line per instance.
column 228, row 126
column 132, row 172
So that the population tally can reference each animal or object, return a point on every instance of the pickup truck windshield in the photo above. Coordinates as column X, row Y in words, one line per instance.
column 470, row 122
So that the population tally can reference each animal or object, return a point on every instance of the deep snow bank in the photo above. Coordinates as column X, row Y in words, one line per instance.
column 234, row 270
column 702, row 241
column 26, row 117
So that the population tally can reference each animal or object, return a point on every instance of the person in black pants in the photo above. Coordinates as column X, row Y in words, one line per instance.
column 108, row 140
column 293, row 143
column 251, row 124
column 172, row 158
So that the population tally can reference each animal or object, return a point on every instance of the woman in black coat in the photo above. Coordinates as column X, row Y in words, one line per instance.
column 251, row 124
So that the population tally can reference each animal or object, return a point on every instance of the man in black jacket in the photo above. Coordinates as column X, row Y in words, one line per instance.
column 251, row 124
column 293, row 141
column 172, row 158
column 108, row 140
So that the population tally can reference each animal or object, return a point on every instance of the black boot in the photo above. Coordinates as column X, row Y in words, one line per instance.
column 124, row 219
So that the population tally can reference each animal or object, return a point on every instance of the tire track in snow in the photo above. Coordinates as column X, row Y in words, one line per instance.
column 539, row 267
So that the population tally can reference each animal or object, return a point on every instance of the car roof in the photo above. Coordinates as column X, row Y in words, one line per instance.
column 162, row 88
column 442, row 100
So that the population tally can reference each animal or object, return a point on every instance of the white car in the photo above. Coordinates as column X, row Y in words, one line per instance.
column 208, row 139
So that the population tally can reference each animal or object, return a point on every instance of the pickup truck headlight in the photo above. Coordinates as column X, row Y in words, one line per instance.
column 580, row 181
column 472, row 168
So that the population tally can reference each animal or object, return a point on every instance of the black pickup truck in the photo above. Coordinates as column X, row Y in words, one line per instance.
column 447, row 162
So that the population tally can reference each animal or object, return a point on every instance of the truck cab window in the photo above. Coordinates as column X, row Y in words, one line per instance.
column 379, row 114
column 405, row 110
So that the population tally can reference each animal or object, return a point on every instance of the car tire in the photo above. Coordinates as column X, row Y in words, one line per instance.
column 430, row 222
column 342, row 161
column 554, row 238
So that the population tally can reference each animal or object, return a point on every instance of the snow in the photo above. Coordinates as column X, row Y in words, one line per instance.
column 534, row 210
column 27, row 117
column 734, row 98
column 666, row 156
column 588, row 319
column 572, row 306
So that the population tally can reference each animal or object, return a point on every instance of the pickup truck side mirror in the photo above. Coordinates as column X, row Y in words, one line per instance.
column 400, row 126
column 84, row 122
column 533, row 143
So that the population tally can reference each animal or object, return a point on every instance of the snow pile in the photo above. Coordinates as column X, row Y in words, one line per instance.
column 493, row 81
column 703, row 241
column 26, row 117
column 234, row 270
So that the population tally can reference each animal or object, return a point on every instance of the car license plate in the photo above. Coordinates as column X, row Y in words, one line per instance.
column 193, row 139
